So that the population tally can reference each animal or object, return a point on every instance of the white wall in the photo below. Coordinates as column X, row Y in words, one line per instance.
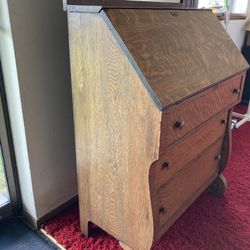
column 15, row 109
column 39, row 30
column 236, row 29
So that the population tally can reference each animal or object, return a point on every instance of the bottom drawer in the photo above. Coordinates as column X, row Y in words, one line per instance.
column 179, row 192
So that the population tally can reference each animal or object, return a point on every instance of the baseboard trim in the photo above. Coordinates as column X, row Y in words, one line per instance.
column 36, row 223
column 29, row 220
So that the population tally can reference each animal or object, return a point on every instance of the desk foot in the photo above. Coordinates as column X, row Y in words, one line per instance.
column 124, row 247
column 219, row 186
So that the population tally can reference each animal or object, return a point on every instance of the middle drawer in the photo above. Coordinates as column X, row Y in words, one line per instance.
column 183, row 151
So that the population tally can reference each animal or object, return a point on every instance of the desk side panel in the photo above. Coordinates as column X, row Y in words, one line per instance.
column 117, row 133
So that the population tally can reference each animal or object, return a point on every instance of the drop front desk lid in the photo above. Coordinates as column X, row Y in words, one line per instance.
column 176, row 53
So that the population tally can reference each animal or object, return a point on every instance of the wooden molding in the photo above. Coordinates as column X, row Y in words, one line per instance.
column 84, row 9
column 30, row 220
column 236, row 16
column 50, row 238
column 125, row 4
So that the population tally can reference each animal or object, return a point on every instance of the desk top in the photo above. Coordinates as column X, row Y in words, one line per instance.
column 179, row 52
column 176, row 53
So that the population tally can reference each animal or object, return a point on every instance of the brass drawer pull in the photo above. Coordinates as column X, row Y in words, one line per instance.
column 236, row 91
column 179, row 124
column 165, row 165
column 218, row 157
column 162, row 210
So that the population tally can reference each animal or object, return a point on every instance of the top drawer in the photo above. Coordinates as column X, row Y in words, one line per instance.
column 180, row 119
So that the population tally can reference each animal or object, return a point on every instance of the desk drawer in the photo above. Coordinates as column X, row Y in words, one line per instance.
column 180, row 119
column 178, row 192
column 183, row 151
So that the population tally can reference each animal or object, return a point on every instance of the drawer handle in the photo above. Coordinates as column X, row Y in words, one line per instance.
column 236, row 91
column 218, row 157
column 165, row 165
column 162, row 210
column 223, row 122
column 179, row 124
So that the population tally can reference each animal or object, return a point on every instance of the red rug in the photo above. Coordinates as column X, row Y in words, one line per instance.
column 210, row 223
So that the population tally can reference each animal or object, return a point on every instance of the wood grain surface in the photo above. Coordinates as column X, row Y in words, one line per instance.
column 179, row 52
column 117, row 134
column 175, row 157
column 227, row 144
column 194, row 111
column 152, row 96
column 180, row 190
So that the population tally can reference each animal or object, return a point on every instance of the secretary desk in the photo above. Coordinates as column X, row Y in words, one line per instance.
column 153, row 90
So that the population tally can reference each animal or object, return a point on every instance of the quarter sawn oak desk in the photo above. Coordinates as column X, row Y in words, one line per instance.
column 153, row 89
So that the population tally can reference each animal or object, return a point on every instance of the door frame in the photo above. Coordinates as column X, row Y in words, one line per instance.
column 13, row 208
